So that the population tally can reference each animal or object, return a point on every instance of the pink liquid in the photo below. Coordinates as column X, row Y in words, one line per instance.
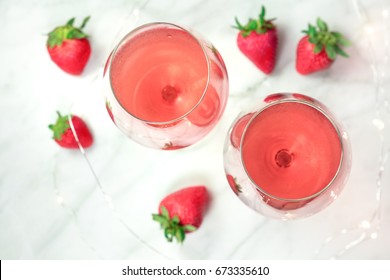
column 161, row 74
column 291, row 150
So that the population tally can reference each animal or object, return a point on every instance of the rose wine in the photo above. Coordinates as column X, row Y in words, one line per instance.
column 161, row 74
column 291, row 150
column 288, row 157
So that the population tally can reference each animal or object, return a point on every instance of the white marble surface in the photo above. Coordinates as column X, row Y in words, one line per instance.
column 52, row 206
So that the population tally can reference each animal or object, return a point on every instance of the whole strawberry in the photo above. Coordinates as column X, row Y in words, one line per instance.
column 63, row 135
column 318, row 49
column 258, row 41
column 69, row 47
column 182, row 212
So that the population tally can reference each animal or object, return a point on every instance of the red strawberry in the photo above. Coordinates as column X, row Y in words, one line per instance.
column 182, row 212
column 69, row 47
column 318, row 49
column 64, row 136
column 258, row 41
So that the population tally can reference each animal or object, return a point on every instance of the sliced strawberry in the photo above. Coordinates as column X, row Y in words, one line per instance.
column 63, row 134
column 318, row 49
column 258, row 41
column 182, row 212
column 69, row 48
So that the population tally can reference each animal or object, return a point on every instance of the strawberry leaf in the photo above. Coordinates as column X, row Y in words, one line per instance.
column 340, row 51
column 84, row 23
column 239, row 25
column 344, row 42
column 159, row 219
column 259, row 25
column 318, row 48
column 164, row 212
column 322, row 25
column 66, row 32
column 189, row 228
column 180, row 235
column 70, row 22
column 330, row 51
column 61, row 125
column 176, row 220
column 312, row 31
column 75, row 34
column 261, row 16
column 313, row 40
column 171, row 226
column 252, row 25
column 321, row 37
column 168, row 233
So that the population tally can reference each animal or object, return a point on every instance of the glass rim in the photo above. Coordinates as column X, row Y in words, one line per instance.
column 322, row 109
column 172, row 25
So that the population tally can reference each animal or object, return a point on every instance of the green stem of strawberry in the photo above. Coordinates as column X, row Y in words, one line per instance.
column 84, row 23
column 260, row 25
column 171, row 226
column 67, row 31
column 322, row 38
column 61, row 125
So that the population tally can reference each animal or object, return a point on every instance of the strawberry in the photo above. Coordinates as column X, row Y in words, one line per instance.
column 182, row 212
column 318, row 49
column 258, row 40
column 69, row 47
column 64, row 136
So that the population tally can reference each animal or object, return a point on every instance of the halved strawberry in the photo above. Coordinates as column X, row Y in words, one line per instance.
column 318, row 49
column 69, row 47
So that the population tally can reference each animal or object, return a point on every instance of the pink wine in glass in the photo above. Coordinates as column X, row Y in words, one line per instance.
column 293, row 154
column 169, row 87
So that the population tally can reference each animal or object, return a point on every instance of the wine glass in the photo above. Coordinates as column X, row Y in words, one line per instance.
column 288, row 157
column 164, row 86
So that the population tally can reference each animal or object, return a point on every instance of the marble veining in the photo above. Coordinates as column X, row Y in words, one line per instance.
column 57, row 204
